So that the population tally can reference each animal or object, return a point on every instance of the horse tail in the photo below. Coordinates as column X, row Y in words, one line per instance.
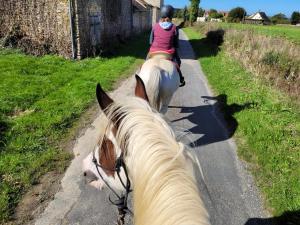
column 153, row 88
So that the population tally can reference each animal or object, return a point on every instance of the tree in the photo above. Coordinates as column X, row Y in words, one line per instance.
column 236, row 14
column 178, row 13
column 185, row 14
column 201, row 12
column 295, row 18
column 194, row 10
column 280, row 18
column 212, row 11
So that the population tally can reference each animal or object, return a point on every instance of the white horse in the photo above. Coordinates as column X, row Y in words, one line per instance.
column 159, row 167
column 161, row 79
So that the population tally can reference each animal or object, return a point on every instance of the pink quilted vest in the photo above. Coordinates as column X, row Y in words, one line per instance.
column 163, row 39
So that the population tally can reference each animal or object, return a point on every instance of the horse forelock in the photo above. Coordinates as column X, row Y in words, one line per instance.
column 107, row 150
column 129, row 109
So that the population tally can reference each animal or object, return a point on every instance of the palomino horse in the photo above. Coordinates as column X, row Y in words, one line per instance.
column 159, row 168
column 161, row 80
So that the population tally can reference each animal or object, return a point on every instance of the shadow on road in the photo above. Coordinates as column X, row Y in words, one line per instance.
column 205, row 47
column 206, row 123
column 287, row 218
column 229, row 110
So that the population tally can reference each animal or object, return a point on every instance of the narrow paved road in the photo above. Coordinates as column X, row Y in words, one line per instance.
column 227, row 189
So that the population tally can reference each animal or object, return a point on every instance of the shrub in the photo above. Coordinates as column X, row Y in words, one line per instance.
column 271, row 58
column 216, row 37
column 216, row 15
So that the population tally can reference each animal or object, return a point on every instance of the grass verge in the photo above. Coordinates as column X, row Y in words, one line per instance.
column 292, row 33
column 274, row 60
column 40, row 100
column 268, row 135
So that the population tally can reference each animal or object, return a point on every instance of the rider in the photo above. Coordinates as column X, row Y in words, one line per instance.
column 164, row 38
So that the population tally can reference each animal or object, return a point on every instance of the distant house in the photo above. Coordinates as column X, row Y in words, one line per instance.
column 224, row 13
column 201, row 19
column 216, row 20
column 258, row 18
column 206, row 13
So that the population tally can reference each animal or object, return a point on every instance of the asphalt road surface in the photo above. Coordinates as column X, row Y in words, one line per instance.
column 226, row 188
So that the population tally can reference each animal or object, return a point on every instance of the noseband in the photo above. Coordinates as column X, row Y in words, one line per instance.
column 122, row 200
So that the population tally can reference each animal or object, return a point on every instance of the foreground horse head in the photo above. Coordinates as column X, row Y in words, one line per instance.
column 107, row 150
column 164, row 187
column 161, row 80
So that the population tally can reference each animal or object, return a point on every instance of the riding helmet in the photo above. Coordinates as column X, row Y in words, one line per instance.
column 167, row 11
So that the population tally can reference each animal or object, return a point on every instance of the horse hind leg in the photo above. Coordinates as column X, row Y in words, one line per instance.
column 164, row 104
column 164, row 109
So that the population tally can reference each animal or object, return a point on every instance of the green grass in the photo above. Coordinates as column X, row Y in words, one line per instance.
column 268, row 135
column 291, row 33
column 40, row 100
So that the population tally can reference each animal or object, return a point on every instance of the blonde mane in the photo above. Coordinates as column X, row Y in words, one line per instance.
column 164, row 189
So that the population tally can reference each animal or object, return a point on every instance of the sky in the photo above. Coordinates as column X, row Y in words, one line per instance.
column 270, row 7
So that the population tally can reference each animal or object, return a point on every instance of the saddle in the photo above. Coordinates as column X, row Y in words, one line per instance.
column 160, row 55
column 163, row 55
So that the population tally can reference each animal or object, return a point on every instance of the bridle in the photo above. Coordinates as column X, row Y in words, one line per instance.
column 122, row 200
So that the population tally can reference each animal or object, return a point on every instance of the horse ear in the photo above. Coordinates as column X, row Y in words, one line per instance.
column 103, row 99
column 140, row 89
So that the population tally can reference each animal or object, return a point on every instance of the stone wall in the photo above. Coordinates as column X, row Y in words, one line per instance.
column 101, row 24
column 142, row 20
column 37, row 26
column 157, row 4
column 118, row 20
column 44, row 26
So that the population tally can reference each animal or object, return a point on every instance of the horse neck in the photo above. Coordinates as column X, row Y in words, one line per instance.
column 165, row 192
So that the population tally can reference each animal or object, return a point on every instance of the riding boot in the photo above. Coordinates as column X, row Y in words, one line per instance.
column 181, row 78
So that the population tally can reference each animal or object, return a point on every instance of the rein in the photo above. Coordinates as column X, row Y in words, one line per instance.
column 122, row 200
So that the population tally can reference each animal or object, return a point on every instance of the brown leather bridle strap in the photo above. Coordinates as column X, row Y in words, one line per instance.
column 121, row 201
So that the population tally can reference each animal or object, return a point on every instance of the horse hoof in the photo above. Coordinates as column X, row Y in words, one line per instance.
column 182, row 84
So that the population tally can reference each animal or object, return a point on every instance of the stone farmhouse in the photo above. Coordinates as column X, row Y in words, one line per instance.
column 258, row 18
column 74, row 28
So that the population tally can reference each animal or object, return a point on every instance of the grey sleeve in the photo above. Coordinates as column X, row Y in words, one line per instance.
column 176, row 38
column 151, row 37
